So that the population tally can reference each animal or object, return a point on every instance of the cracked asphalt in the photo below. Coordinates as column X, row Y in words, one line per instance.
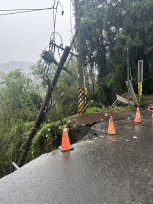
column 102, row 169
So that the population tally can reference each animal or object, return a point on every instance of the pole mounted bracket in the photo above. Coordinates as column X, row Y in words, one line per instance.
column 48, row 57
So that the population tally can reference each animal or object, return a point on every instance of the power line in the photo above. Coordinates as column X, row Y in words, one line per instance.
column 71, row 17
column 53, row 34
column 26, row 11
column 98, row 45
column 29, row 9
column 101, row 48
column 144, row 80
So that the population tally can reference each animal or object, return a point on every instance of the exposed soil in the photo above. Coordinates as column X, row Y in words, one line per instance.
column 92, row 118
column 81, row 125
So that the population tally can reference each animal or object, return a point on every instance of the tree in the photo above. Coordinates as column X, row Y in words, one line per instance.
column 18, row 97
column 108, row 29
column 19, row 103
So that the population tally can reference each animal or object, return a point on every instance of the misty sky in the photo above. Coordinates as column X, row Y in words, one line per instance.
column 24, row 36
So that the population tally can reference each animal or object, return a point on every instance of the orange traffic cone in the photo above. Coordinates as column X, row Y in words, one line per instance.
column 150, row 107
column 65, row 146
column 137, row 117
column 111, row 128
column 152, row 114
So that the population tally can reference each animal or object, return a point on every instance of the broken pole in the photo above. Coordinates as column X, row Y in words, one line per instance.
column 42, row 112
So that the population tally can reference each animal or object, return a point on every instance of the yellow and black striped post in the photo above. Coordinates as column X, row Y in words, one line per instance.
column 81, row 100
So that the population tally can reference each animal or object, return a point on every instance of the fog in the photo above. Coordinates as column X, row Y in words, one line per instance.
column 24, row 36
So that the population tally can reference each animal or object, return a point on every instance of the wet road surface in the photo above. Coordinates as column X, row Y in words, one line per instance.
column 105, row 169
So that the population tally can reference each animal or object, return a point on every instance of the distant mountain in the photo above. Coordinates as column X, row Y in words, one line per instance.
column 14, row 65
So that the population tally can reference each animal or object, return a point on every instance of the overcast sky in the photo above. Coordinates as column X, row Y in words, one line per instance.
column 24, row 36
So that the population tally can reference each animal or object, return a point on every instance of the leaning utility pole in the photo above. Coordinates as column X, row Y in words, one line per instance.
column 42, row 110
column 81, row 89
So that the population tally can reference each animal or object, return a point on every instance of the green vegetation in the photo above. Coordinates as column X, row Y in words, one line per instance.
column 96, row 110
column 108, row 28
column 20, row 101
column 11, row 143
column 119, row 108
column 92, row 110
column 48, row 138
column 146, row 100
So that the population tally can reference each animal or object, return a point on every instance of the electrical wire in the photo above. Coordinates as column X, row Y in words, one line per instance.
column 55, row 24
column 53, row 47
column 62, row 7
column 12, row 138
column 59, row 99
column 53, row 33
column 143, row 80
column 27, row 11
column 58, row 35
column 147, row 79
column 71, row 17
column 97, row 44
column 101, row 49
column 54, row 21
column 55, row 15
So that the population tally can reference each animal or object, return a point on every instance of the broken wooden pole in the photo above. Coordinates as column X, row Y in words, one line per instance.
column 131, row 92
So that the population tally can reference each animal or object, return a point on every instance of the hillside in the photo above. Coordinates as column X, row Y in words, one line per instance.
column 13, row 65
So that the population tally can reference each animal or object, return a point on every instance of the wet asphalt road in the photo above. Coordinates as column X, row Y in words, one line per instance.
column 107, row 170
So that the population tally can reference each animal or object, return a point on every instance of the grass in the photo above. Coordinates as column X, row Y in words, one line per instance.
column 122, row 108
column 144, row 100
column 97, row 110
column 93, row 110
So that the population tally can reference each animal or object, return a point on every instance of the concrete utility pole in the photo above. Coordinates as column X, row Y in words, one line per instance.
column 81, row 90
column 78, row 44
column 42, row 111
column 140, row 77
column 128, row 73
